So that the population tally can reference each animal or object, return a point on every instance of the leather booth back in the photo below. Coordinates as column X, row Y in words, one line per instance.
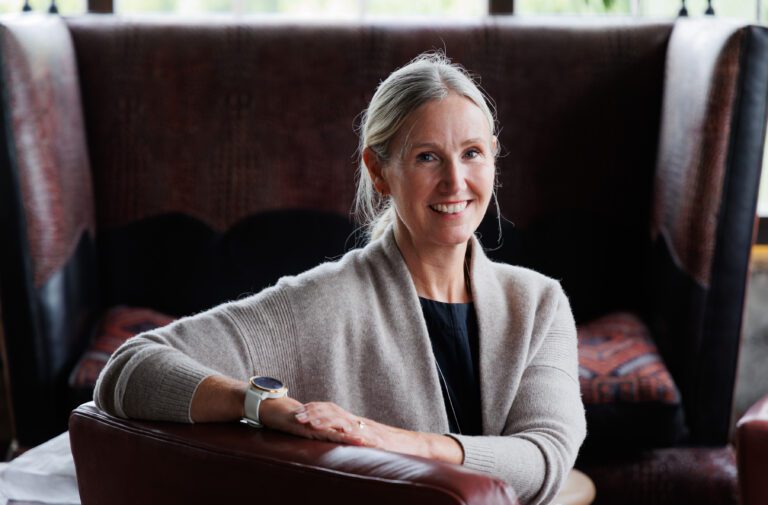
column 47, row 260
column 223, row 122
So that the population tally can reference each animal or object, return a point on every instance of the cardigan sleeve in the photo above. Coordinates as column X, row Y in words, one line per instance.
column 154, row 375
column 546, row 424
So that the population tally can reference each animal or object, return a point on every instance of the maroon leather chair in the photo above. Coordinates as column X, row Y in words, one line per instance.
column 129, row 462
column 175, row 164
column 752, row 453
column 227, row 462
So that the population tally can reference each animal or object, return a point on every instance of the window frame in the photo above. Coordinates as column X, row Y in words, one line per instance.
column 496, row 7
column 101, row 6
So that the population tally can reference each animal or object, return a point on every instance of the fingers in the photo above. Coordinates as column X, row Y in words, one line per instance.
column 323, row 416
column 339, row 437
column 361, row 439
column 327, row 421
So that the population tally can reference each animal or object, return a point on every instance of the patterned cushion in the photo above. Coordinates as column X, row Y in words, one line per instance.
column 618, row 362
column 631, row 400
column 118, row 325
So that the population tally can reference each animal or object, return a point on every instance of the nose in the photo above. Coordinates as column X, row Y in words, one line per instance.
column 453, row 179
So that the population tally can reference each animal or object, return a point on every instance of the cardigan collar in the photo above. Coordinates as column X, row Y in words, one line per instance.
column 493, row 325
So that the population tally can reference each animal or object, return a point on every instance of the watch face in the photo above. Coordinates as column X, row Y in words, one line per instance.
column 266, row 383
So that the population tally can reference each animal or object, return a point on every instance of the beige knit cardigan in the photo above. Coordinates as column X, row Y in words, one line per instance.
column 352, row 332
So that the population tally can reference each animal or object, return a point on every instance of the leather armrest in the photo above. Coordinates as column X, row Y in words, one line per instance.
column 122, row 461
column 752, row 453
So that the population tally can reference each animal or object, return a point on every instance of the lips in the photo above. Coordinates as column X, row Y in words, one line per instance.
column 449, row 208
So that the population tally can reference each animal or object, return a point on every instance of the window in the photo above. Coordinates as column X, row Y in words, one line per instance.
column 744, row 9
column 525, row 7
column 336, row 9
column 64, row 6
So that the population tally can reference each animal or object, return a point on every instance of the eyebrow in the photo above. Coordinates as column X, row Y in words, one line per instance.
column 475, row 140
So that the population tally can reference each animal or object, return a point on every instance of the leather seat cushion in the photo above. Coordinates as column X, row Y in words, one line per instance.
column 630, row 397
column 118, row 325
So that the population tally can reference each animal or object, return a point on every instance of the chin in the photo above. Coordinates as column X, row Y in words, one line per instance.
column 454, row 238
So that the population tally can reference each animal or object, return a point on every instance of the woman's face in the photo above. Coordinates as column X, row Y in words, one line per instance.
column 441, row 172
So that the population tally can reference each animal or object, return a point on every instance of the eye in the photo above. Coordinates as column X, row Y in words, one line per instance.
column 472, row 153
column 425, row 157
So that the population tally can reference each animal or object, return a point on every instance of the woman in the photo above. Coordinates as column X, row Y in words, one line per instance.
column 416, row 343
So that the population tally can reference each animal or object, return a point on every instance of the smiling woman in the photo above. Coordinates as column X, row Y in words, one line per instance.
column 441, row 178
column 440, row 188
column 416, row 343
column 430, row 153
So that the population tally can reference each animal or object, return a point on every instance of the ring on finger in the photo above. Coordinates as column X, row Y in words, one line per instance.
column 361, row 424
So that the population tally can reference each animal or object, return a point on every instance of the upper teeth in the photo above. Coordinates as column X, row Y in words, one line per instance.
column 450, row 208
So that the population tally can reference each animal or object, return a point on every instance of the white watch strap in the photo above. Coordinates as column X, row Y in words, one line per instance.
column 253, row 399
column 252, row 403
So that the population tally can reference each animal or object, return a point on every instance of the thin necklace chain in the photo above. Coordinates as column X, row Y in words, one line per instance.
column 466, row 278
column 448, row 394
column 440, row 370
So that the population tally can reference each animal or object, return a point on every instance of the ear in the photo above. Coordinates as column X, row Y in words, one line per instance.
column 375, row 170
column 495, row 145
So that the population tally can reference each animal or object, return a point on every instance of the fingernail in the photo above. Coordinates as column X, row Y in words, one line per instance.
column 301, row 416
column 315, row 422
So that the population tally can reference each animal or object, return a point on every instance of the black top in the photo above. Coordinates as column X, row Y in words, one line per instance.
column 452, row 330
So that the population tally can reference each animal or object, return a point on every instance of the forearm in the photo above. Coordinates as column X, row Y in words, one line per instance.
column 218, row 399
column 427, row 445
column 443, row 448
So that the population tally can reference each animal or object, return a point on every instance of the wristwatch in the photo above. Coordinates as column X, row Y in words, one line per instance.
column 260, row 388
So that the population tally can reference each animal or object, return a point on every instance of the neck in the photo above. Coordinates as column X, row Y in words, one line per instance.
column 438, row 272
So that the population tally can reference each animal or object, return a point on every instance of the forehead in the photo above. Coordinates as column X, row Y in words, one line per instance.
column 451, row 119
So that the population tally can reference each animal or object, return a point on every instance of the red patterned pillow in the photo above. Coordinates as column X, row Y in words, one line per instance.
column 619, row 363
column 118, row 325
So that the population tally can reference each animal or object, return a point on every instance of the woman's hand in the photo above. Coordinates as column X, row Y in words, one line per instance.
column 283, row 414
column 324, row 417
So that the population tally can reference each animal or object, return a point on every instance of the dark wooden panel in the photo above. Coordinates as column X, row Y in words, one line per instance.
column 501, row 6
column 101, row 6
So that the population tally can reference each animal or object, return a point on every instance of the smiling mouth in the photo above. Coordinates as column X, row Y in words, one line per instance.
column 449, row 208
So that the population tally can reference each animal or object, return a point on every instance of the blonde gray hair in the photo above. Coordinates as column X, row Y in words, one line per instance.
column 430, row 76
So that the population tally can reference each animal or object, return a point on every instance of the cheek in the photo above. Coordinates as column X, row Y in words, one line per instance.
column 414, row 188
column 485, row 181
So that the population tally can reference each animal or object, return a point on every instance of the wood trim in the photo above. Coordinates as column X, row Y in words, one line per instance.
column 501, row 7
column 101, row 6
column 759, row 259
